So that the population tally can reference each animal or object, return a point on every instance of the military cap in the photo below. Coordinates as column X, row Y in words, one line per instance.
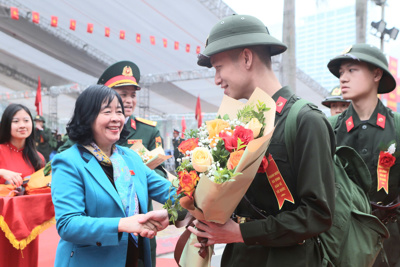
column 369, row 54
column 122, row 73
column 176, row 131
column 237, row 31
column 334, row 96
column 39, row 118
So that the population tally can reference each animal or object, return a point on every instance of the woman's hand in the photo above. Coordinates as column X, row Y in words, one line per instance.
column 158, row 218
column 137, row 225
column 13, row 178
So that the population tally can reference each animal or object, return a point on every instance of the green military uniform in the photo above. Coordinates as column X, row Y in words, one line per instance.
column 175, row 143
column 369, row 137
column 141, row 129
column 366, row 137
column 279, row 239
column 43, row 139
column 288, row 236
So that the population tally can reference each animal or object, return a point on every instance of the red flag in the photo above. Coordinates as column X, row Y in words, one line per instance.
column 14, row 13
column 165, row 42
column 183, row 127
column 176, row 45
column 38, row 100
column 54, row 21
column 198, row 50
column 122, row 34
column 188, row 48
column 198, row 112
column 90, row 27
column 152, row 40
column 107, row 31
column 138, row 38
column 72, row 24
column 35, row 17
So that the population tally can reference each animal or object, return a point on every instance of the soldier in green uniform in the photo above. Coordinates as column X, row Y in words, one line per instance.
column 43, row 137
column 239, row 47
column 335, row 101
column 176, row 141
column 369, row 127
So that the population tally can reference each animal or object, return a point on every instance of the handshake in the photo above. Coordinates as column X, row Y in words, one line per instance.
column 146, row 225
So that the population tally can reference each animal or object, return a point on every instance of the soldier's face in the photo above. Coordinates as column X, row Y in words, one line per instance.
column 339, row 107
column 230, row 73
column 21, row 125
column 358, row 81
column 128, row 95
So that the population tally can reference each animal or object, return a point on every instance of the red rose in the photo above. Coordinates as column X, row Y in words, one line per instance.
column 386, row 159
column 231, row 141
column 187, row 182
column 263, row 166
column 188, row 145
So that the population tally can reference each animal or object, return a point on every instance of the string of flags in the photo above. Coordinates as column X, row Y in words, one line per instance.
column 14, row 13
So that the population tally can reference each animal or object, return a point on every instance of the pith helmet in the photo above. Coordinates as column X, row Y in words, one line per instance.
column 39, row 118
column 370, row 54
column 237, row 31
column 334, row 96
column 122, row 73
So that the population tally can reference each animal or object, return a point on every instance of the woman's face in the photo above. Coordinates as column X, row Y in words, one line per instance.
column 21, row 126
column 108, row 124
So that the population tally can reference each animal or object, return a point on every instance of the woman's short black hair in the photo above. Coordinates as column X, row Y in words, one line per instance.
column 87, row 108
column 30, row 153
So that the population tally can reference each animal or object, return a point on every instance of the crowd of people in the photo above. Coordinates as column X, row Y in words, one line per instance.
column 103, row 209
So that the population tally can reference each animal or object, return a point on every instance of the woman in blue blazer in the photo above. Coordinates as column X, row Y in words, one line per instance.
column 100, row 190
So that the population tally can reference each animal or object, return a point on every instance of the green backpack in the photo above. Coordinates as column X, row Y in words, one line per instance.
column 356, row 237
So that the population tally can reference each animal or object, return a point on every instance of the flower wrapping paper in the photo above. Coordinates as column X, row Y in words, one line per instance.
column 157, row 155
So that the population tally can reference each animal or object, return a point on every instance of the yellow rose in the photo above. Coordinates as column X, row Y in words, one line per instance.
column 214, row 127
column 201, row 159
column 255, row 126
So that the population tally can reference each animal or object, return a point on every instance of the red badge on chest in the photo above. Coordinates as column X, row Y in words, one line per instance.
column 349, row 124
column 381, row 121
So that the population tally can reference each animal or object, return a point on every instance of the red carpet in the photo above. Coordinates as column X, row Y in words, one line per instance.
column 49, row 239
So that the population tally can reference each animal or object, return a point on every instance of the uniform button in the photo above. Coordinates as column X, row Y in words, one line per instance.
column 98, row 244
column 364, row 127
column 364, row 151
column 72, row 253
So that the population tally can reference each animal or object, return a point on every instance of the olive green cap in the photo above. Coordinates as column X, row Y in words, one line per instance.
column 39, row 118
column 237, row 31
column 334, row 96
column 122, row 73
column 369, row 54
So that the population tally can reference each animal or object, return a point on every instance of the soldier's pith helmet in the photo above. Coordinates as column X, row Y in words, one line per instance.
column 369, row 54
column 39, row 118
column 334, row 96
column 237, row 31
column 122, row 73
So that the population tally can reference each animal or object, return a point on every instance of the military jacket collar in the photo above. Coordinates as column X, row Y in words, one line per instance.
column 377, row 118
column 281, row 97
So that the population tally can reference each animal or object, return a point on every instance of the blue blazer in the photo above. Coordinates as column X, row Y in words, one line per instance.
column 88, row 207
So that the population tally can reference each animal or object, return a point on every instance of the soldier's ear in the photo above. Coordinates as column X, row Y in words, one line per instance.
column 248, row 57
column 378, row 73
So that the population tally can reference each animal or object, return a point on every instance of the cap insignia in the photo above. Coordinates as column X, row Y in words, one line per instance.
column 336, row 92
column 347, row 50
column 127, row 71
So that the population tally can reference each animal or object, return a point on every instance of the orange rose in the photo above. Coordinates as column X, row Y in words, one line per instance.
column 234, row 159
column 188, row 145
column 214, row 127
column 187, row 182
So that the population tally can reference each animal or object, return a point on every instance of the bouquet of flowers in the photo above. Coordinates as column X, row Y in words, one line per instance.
column 221, row 159
column 151, row 158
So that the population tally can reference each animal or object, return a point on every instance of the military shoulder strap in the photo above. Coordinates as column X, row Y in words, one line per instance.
column 291, row 126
